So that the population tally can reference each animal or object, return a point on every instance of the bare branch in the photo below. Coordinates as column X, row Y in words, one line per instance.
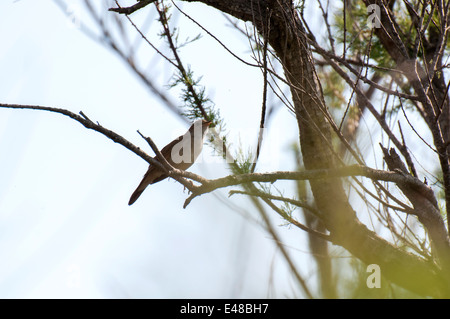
column 177, row 174
column 129, row 10
column 317, row 174
column 281, row 213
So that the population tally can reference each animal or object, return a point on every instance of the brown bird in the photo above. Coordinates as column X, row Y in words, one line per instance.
column 181, row 153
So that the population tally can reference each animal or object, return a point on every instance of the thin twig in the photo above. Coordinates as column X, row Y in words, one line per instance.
column 264, row 102
column 159, row 156
column 179, row 63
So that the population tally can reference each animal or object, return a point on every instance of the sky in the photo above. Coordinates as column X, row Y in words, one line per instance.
column 66, row 230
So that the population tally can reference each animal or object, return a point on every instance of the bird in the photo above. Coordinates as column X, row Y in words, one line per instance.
column 181, row 153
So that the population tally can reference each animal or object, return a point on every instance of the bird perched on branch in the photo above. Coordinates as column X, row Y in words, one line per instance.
column 181, row 153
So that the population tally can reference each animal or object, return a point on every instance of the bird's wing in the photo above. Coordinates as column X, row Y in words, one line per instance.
column 166, row 150
column 154, row 174
column 160, row 178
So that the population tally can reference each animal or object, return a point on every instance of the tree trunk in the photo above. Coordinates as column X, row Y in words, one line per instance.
column 279, row 22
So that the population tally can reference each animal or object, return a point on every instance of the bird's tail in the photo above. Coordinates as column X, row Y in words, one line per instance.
column 136, row 195
column 152, row 176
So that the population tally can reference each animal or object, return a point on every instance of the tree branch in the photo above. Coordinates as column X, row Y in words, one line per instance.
column 400, row 179
column 129, row 10
column 285, row 216
column 425, row 207
column 177, row 174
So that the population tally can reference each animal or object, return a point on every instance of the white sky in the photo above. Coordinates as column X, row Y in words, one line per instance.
column 66, row 230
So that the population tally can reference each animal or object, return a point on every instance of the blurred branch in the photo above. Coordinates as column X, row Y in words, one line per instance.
column 264, row 104
column 288, row 218
column 273, row 233
column 106, row 38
